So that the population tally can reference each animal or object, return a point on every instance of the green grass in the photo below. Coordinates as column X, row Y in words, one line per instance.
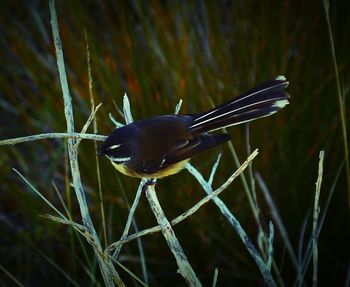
column 158, row 53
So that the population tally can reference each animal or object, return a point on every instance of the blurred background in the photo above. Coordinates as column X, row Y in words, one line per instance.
column 158, row 52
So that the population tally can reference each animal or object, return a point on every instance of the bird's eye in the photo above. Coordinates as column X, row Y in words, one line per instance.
column 114, row 147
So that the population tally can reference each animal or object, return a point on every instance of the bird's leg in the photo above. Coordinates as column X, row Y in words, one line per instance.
column 151, row 181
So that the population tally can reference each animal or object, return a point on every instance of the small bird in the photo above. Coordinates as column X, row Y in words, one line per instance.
column 160, row 146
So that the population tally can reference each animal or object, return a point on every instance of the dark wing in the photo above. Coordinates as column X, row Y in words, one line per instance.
column 184, row 150
column 150, row 165
column 198, row 144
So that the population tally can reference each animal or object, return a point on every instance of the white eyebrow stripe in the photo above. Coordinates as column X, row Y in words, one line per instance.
column 247, row 96
column 275, row 104
column 118, row 159
column 114, row 146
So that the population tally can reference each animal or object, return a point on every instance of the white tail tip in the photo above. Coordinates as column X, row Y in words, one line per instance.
column 281, row 78
column 281, row 103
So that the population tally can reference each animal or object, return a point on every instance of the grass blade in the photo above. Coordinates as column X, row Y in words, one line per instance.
column 340, row 99
column 315, row 220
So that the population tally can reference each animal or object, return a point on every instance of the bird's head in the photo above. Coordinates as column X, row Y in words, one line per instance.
column 118, row 146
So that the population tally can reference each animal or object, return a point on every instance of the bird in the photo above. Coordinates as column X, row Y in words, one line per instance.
column 160, row 146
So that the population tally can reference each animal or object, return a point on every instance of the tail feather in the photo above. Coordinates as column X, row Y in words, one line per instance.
column 261, row 101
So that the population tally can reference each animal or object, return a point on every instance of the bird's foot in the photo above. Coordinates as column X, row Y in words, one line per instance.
column 149, row 182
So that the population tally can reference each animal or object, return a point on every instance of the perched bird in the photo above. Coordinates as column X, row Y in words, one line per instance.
column 160, row 146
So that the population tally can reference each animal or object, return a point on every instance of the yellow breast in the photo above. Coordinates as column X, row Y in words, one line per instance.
column 171, row 169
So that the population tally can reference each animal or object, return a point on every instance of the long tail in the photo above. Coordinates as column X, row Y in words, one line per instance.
column 261, row 101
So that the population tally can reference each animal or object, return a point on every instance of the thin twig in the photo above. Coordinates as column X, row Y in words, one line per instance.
column 215, row 278
column 65, row 221
column 108, row 271
column 277, row 219
column 69, row 135
column 235, row 223
column 127, row 110
column 115, row 122
column 129, row 272
column 178, row 107
column 40, row 195
column 221, row 188
column 83, row 247
column 315, row 220
column 92, row 104
column 12, row 277
column 308, row 253
column 90, row 118
column 262, row 237
column 130, row 217
column 185, row 269
column 214, row 169
column 270, row 246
